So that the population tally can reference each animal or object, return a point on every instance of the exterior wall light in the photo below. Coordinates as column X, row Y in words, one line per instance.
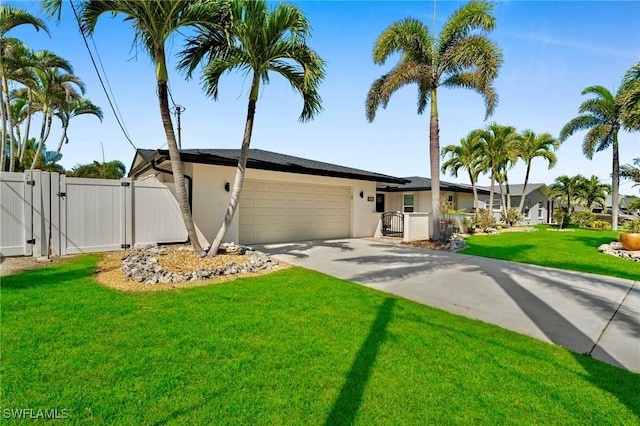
column 361, row 194
column 226, row 186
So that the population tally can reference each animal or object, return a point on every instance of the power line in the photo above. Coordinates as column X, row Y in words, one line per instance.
column 99, row 76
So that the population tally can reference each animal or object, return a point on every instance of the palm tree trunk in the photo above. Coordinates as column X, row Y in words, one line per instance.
column 615, row 187
column 434, row 159
column 239, row 180
column 27, row 127
column 64, row 135
column 503, row 200
column 524, row 188
column 474, row 190
column 44, row 134
column 177, row 168
column 491, row 191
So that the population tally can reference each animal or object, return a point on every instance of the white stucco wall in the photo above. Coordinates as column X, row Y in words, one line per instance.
column 210, row 200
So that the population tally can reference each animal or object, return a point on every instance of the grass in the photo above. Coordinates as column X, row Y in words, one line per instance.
column 575, row 250
column 293, row 347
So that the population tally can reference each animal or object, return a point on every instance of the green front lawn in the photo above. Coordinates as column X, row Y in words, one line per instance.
column 293, row 347
column 575, row 250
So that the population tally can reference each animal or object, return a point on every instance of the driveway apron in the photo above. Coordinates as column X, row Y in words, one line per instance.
column 586, row 313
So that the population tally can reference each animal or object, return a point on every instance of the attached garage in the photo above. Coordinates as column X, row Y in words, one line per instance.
column 279, row 211
column 283, row 199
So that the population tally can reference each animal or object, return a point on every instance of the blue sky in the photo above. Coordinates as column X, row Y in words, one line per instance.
column 552, row 51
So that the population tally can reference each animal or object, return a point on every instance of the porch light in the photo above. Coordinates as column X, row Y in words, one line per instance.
column 361, row 194
column 226, row 186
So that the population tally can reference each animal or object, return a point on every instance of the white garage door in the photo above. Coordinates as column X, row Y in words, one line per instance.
column 273, row 212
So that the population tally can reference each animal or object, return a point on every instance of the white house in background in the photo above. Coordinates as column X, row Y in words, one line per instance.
column 537, row 207
column 414, row 196
column 284, row 198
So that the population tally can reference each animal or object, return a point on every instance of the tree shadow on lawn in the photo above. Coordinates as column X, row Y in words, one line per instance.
column 562, row 332
column 47, row 276
column 346, row 406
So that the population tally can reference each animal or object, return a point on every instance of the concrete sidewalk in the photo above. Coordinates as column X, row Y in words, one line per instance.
column 583, row 312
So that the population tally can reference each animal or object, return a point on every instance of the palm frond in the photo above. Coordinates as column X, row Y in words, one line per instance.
column 581, row 122
column 597, row 139
column 475, row 15
column 408, row 36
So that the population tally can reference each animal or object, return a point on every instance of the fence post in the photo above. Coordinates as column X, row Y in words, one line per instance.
column 45, row 191
column 62, row 202
column 27, row 197
column 36, row 185
column 55, row 214
column 127, row 212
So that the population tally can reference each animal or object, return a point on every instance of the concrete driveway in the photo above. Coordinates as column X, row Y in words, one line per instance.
column 583, row 312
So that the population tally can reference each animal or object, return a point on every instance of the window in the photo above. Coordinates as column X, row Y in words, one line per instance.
column 540, row 210
column 527, row 208
column 407, row 203
column 450, row 199
column 379, row 203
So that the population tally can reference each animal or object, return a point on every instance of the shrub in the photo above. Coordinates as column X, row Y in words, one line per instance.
column 469, row 224
column 561, row 217
column 632, row 225
column 511, row 217
column 583, row 218
column 601, row 224
column 484, row 219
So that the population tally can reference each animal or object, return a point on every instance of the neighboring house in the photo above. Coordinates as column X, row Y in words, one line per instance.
column 622, row 203
column 414, row 196
column 284, row 198
column 537, row 208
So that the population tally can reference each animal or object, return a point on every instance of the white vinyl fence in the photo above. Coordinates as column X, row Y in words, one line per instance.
column 47, row 213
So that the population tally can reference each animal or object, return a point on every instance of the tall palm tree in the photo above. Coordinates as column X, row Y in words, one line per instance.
column 498, row 149
column 591, row 191
column 530, row 146
column 263, row 41
column 601, row 116
column 462, row 56
column 10, row 18
column 629, row 99
column 467, row 156
column 154, row 22
column 68, row 110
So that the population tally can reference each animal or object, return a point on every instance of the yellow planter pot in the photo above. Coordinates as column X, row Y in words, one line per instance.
column 630, row 240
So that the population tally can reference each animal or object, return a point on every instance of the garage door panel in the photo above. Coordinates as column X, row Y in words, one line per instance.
column 277, row 212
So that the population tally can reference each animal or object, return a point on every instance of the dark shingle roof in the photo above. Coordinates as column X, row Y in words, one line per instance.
column 417, row 183
column 516, row 189
column 266, row 160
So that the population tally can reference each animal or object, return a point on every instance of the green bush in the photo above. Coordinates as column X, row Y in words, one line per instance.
column 632, row 225
column 583, row 218
column 511, row 217
column 561, row 217
column 484, row 219
column 600, row 224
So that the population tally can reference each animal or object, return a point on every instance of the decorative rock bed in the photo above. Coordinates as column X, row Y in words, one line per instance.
column 615, row 249
column 143, row 265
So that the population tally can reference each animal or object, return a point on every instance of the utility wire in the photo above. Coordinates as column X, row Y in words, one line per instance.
column 99, row 76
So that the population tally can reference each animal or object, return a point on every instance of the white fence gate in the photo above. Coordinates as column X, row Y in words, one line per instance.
column 43, row 213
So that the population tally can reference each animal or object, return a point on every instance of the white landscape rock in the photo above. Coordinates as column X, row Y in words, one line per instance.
column 615, row 249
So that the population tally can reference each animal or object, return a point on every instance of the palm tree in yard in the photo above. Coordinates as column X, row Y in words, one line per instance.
column 498, row 149
column 591, row 191
column 461, row 56
column 10, row 18
column 467, row 156
column 530, row 146
column 263, row 41
column 601, row 116
column 154, row 22
column 73, row 108
column 567, row 189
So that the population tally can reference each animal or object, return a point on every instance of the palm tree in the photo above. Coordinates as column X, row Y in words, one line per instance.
column 45, row 160
column 154, row 23
column 601, row 115
column 498, row 150
column 591, row 191
column 629, row 99
column 68, row 110
column 462, row 56
column 530, row 146
column 262, row 41
column 632, row 172
column 468, row 156
column 10, row 18
column 567, row 189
